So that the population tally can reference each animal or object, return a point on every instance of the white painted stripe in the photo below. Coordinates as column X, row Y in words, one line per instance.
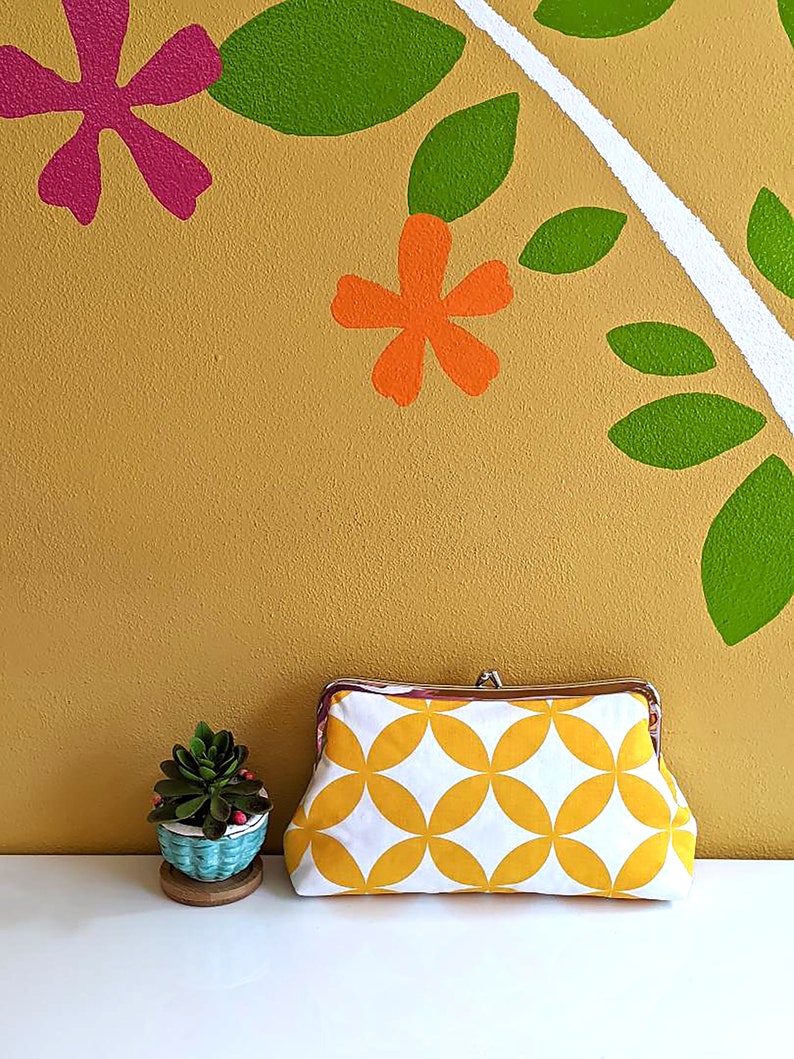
column 765, row 344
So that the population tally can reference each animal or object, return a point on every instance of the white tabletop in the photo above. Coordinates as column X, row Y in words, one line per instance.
column 95, row 960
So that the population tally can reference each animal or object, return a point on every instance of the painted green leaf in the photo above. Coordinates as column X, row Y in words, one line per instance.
column 599, row 18
column 661, row 349
column 770, row 240
column 573, row 240
column 685, row 429
column 787, row 17
column 464, row 159
column 747, row 566
column 331, row 67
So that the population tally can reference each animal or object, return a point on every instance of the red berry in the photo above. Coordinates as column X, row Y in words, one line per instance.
column 238, row 817
column 156, row 800
column 247, row 774
column 242, row 773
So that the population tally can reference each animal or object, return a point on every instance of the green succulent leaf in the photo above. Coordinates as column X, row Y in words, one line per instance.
column 247, row 787
column 191, row 806
column 770, row 240
column 242, row 755
column 171, row 769
column 177, row 788
column 230, row 770
column 161, row 813
column 249, row 803
column 207, row 773
column 188, row 774
column 661, row 349
column 573, row 240
column 685, row 429
column 204, row 733
column 213, row 828
column 464, row 158
column 222, row 743
column 197, row 748
column 600, row 18
column 220, row 808
column 212, row 753
column 185, row 760
column 747, row 566
column 786, row 8
column 332, row 67
column 257, row 805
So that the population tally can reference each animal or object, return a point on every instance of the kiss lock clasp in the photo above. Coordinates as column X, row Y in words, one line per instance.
column 488, row 676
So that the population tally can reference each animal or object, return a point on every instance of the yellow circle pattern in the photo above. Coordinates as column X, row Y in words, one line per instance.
column 652, row 799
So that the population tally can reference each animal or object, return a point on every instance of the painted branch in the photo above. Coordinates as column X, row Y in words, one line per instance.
column 765, row 344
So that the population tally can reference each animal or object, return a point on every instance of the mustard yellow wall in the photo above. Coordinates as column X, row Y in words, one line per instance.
column 208, row 511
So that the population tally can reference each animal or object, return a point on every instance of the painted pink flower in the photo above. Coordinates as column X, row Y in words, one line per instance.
column 186, row 64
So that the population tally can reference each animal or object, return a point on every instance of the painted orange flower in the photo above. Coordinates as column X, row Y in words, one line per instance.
column 422, row 314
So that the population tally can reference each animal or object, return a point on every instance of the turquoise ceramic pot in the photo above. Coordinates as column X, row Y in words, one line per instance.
column 211, row 861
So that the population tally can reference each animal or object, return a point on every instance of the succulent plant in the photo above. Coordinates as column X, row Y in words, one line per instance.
column 206, row 785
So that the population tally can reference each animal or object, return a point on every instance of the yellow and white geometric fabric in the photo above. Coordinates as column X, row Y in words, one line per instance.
column 429, row 795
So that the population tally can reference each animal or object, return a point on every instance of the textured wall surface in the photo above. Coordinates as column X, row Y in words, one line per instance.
column 208, row 511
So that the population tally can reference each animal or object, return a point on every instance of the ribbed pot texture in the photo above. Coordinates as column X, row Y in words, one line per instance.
column 211, row 861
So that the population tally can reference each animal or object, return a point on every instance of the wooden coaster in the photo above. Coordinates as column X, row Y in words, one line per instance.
column 180, row 887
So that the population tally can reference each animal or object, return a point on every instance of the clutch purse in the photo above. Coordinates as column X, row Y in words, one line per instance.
column 559, row 789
